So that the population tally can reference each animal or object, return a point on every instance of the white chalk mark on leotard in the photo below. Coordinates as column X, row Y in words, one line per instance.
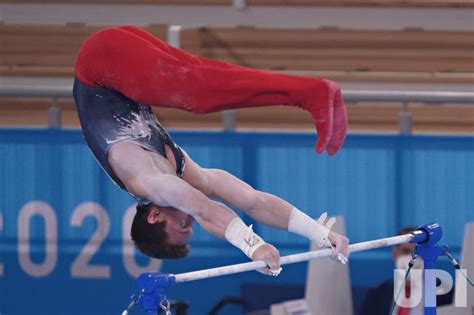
column 136, row 127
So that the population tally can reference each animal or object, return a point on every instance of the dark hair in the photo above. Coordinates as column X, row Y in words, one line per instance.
column 151, row 239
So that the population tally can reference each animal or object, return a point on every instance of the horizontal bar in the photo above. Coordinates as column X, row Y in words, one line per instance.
column 222, row 15
column 290, row 259
column 36, row 91
column 409, row 96
column 349, row 95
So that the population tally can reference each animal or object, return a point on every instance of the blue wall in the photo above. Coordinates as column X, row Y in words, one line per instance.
column 378, row 182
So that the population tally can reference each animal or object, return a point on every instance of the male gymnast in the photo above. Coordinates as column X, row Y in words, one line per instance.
column 121, row 71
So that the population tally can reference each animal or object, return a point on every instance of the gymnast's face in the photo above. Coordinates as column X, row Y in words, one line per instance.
column 179, row 225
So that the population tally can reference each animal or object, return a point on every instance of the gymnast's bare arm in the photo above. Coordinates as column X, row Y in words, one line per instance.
column 261, row 206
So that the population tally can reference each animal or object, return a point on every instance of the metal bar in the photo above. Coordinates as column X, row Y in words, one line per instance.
column 239, row 4
column 174, row 35
column 228, row 120
column 349, row 95
column 54, row 114
column 36, row 91
column 405, row 120
column 453, row 18
column 290, row 259
column 408, row 96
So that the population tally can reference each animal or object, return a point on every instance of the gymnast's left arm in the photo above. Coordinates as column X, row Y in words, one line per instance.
column 273, row 211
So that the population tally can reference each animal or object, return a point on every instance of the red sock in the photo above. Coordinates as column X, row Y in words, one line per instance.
column 149, row 71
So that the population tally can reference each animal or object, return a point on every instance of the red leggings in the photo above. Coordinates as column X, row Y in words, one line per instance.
column 149, row 71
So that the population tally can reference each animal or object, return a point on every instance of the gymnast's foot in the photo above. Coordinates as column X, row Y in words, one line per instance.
column 327, row 108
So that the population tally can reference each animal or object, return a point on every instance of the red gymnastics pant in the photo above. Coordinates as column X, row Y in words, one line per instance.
column 149, row 71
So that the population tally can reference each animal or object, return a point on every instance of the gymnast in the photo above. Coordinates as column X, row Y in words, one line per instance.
column 121, row 71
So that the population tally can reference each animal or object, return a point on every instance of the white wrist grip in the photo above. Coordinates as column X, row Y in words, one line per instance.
column 300, row 223
column 243, row 237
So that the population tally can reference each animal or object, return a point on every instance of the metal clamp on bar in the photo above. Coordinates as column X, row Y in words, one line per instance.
column 151, row 286
column 151, row 298
column 427, row 237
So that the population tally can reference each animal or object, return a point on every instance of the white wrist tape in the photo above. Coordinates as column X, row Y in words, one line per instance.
column 300, row 223
column 243, row 237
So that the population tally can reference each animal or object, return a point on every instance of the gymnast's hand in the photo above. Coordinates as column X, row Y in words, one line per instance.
column 271, row 256
column 340, row 247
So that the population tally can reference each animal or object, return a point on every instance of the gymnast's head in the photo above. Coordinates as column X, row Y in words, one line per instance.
column 161, row 232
